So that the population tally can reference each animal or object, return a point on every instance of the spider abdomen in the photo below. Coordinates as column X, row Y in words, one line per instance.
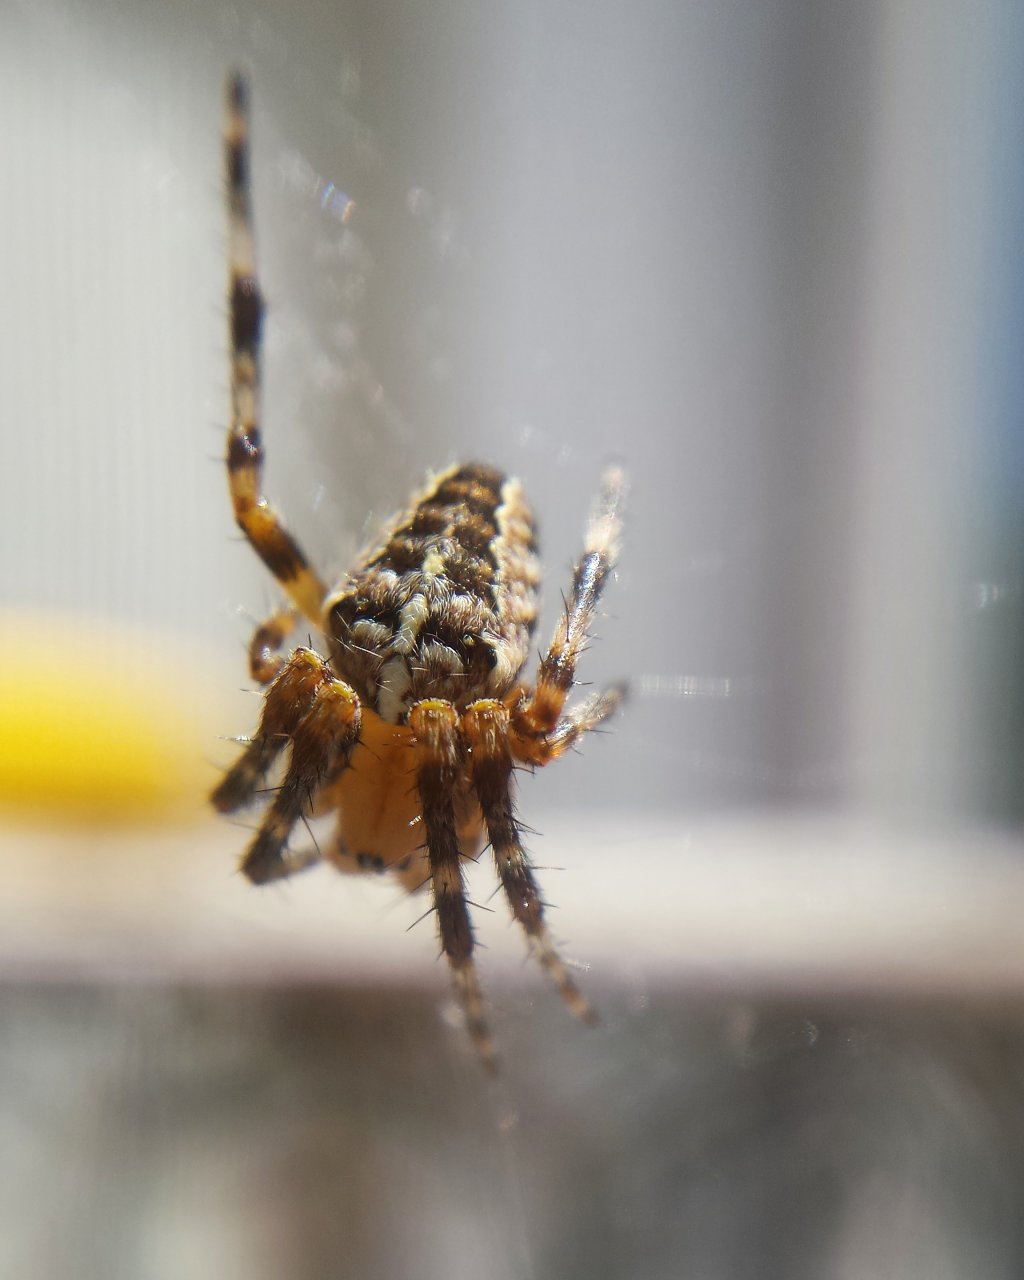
column 445, row 607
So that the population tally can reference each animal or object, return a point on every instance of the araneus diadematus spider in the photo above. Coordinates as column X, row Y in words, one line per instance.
column 412, row 725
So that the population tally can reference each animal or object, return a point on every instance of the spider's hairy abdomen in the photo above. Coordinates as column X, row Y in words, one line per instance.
column 445, row 607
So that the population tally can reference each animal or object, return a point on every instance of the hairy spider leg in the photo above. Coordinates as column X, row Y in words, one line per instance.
column 577, row 721
column 486, row 729
column 435, row 724
column 265, row 656
column 253, row 513
column 285, row 704
column 322, row 743
column 539, row 731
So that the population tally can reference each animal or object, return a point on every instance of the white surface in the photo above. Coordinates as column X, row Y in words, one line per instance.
column 771, row 902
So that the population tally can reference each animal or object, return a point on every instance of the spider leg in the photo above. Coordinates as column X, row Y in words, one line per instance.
column 285, row 704
column 571, row 727
column 255, row 517
column 435, row 725
column 486, row 725
column 322, row 743
column 543, row 710
column 265, row 658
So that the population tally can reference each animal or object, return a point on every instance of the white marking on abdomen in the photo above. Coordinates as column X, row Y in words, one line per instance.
column 392, row 686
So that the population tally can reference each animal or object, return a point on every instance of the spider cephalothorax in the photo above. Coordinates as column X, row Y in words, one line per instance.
column 411, row 726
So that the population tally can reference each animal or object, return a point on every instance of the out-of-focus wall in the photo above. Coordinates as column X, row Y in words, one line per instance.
column 762, row 252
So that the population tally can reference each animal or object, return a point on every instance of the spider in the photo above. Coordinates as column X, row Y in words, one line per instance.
column 410, row 727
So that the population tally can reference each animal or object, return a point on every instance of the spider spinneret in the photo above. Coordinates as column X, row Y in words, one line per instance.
column 410, row 728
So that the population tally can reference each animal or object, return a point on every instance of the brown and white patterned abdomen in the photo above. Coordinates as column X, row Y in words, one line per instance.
column 446, row 606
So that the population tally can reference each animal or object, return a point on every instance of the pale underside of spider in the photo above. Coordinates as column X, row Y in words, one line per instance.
column 411, row 726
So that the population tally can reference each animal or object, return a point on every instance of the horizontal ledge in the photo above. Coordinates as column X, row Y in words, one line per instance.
column 769, row 901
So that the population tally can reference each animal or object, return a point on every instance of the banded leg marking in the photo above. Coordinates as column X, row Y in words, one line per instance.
column 600, row 549
column 265, row 658
column 285, row 703
column 435, row 726
column 531, row 748
column 255, row 517
column 486, row 726
column 322, row 743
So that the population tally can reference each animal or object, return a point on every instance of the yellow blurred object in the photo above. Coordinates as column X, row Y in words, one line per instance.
column 100, row 724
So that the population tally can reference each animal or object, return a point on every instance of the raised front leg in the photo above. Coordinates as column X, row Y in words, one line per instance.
column 253, row 513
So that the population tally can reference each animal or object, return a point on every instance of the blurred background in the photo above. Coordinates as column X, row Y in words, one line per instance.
column 768, row 255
